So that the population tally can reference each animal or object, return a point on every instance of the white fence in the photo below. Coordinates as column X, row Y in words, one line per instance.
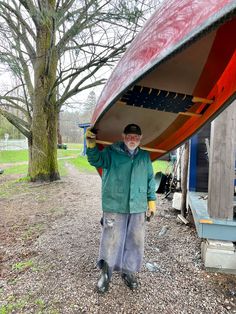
column 13, row 144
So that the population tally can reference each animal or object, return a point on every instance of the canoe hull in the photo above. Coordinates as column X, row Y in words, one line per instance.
column 159, row 93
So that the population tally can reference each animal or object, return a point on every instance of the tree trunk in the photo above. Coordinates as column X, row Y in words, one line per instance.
column 59, row 137
column 43, row 164
column 29, row 155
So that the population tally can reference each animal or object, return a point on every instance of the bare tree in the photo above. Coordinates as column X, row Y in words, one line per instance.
column 87, row 108
column 56, row 49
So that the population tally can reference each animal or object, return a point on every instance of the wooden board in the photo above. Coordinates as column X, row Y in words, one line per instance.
column 221, row 165
column 187, row 49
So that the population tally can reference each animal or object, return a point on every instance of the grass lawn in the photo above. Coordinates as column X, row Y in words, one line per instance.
column 23, row 169
column 16, row 169
column 80, row 162
column 20, row 156
column 13, row 156
column 161, row 165
column 74, row 146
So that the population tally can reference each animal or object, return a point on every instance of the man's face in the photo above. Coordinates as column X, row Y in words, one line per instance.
column 132, row 141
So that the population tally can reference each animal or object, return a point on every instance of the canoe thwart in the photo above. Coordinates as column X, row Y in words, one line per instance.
column 190, row 114
column 202, row 100
column 154, row 150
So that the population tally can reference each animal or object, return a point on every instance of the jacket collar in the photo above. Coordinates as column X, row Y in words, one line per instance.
column 121, row 148
column 126, row 150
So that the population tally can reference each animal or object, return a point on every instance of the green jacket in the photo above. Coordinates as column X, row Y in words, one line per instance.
column 127, row 181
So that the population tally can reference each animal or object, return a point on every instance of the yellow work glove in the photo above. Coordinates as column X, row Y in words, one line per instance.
column 90, row 138
column 151, row 209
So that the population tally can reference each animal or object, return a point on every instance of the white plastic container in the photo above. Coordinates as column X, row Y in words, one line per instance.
column 176, row 202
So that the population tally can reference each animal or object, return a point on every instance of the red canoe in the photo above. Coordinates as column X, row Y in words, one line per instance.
column 178, row 73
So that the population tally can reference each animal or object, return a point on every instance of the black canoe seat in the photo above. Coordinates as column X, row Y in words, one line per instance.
column 156, row 99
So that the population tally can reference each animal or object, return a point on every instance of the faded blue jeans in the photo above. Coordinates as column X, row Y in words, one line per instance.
column 122, row 242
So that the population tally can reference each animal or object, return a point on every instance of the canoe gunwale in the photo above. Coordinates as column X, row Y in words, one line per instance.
column 225, row 15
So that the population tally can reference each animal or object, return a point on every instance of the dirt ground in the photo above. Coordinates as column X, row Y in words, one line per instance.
column 49, row 239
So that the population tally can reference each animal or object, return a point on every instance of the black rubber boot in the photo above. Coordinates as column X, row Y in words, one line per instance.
column 130, row 280
column 104, row 280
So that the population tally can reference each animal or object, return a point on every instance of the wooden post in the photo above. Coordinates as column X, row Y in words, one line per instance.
column 184, row 179
column 221, row 164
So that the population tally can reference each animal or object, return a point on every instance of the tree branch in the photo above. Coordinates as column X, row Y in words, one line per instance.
column 19, row 18
column 77, row 90
column 15, row 29
column 11, row 103
column 82, row 21
column 20, row 124
column 31, row 9
column 26, row 74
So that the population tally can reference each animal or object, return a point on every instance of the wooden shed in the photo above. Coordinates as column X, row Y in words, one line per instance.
column 212, row 179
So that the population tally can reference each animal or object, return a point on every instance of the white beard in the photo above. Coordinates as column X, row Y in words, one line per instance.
column 131, row 145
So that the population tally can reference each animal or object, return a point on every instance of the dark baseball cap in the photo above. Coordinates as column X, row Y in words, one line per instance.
column 132, row 129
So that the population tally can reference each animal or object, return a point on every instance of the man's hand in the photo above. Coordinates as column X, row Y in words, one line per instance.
column 151, row 209
column 90, row 138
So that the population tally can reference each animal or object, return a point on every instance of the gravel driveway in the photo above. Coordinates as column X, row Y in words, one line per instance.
column 49, row 245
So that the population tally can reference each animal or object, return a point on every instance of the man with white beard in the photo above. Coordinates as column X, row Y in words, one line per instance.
column 128, row 196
